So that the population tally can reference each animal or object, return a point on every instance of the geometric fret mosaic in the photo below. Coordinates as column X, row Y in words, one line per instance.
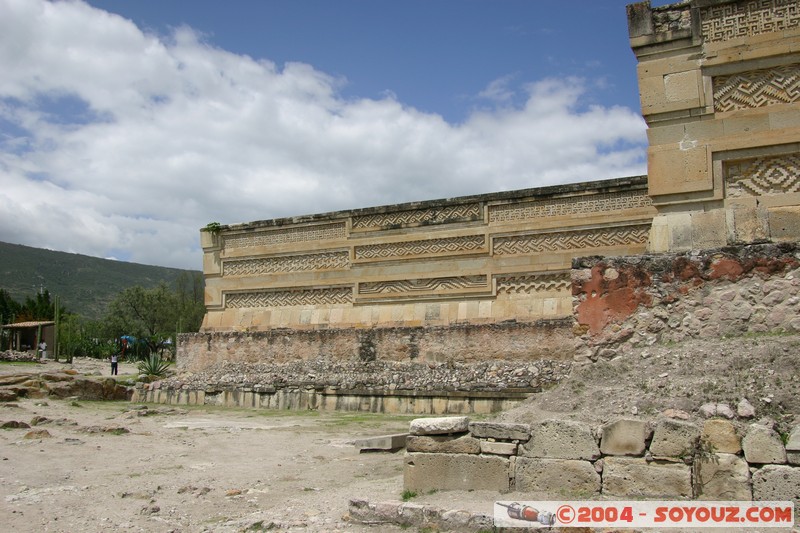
column 424, row 285
column 569, row 206
column 421, row 247
column 286, row 235
column 533, row 283
column 762, row 176
column 747, row 19
column 433, row 215
column 757, row 88
column 290, row 263
column 570, row 240
column 281, row 298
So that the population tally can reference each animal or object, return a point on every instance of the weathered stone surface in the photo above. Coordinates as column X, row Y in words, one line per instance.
column 565, row 477
column 439, row 426
column 717, row 409
column 443, row 444
column 723, row 477
column 721, row 435
column 762, row 445
column 674, row 438
column 441, row 471
column 793, row 444
column 498, row 430
column 561, row 439
column 637, row 478
column 778, row 483
column 37, row 434
column 745, row 409
column 498, row 448
column 382, row 443
column 624, row 437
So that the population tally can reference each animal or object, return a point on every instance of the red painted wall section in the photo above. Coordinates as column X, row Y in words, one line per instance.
column 611, row 294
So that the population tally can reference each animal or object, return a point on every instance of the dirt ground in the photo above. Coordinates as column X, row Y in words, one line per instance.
column 120, row 466
column 105, row 466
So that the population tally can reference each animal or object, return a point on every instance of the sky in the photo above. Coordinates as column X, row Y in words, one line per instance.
column 127, row 126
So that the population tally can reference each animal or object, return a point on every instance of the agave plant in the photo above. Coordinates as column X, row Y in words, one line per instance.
column 153, row 366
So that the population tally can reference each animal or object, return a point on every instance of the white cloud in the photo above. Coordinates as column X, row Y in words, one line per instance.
column 166, row 134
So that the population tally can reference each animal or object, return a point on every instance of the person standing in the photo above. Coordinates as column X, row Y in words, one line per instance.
column 114, row 361
column 43, row 350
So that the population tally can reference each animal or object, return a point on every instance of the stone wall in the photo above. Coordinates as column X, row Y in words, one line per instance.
column 470, row 260
column 718, row 84
column 670, row 459
column 625, row 303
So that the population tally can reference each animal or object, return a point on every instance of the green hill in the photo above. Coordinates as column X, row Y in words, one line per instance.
column 84, row 284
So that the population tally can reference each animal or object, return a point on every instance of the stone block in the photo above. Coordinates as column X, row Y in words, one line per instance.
column 498, row 448
column 561, row 439
column 624, row 437
column 497, row 430
column 443, row 444
column 762, row 445
column 784, row 224
column 674, row 439
column 678, row 168
column 747, row 224
column 723, row 477
column 386, row 443
column 793, row 444
column 440, row 471
column 721, row 435
column 564, row 477
column 777, row 483
column 439, row 426
column 709, row 229
column 637, row 478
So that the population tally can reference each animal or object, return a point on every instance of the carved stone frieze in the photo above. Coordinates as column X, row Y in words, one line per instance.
column 286, row 235
column 421, row 247
column 569, row 206
column 424, row 285
column 746, row 19
column 533, row 283
column 571, row 240
column 762, row 176
column 432, row 215
column 281, row 298
column 757, row 88
column 291, row 263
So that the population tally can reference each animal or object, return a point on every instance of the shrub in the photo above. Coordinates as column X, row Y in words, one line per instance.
column 153, row 366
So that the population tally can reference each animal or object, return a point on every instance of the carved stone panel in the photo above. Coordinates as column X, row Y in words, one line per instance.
column 569, row 206
column 286, row 235
column 281, row 298
column 443, row 246
column 746, row 19
column 757, row 88
column 533, row 283
column 292, row 263
column 432, row 215
column 761, row 176
column 411, row 286
column 571, row 240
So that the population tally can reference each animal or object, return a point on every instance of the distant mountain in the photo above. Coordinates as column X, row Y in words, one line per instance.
column 85, row 285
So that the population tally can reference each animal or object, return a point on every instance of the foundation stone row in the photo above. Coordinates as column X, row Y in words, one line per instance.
column 626, row 458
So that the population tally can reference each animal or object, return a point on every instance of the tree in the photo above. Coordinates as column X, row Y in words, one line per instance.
column 39, row 308
column 148, row 314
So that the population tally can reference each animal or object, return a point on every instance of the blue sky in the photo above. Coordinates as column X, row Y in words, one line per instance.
column 126, row 126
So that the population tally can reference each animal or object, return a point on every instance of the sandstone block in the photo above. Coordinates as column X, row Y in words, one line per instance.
column 566, row 477
column 443, row 444
column 498, row 448
column 762, row 445
column 383, row 443
column 497, row 430
column 624, row 437
column 674, row 438
column 637, row 478
column 439, row 426
column 725, row 477
column 429, row 471
column 777, row 483
column 561, row 439
column 793, row 444
column 721, row 435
